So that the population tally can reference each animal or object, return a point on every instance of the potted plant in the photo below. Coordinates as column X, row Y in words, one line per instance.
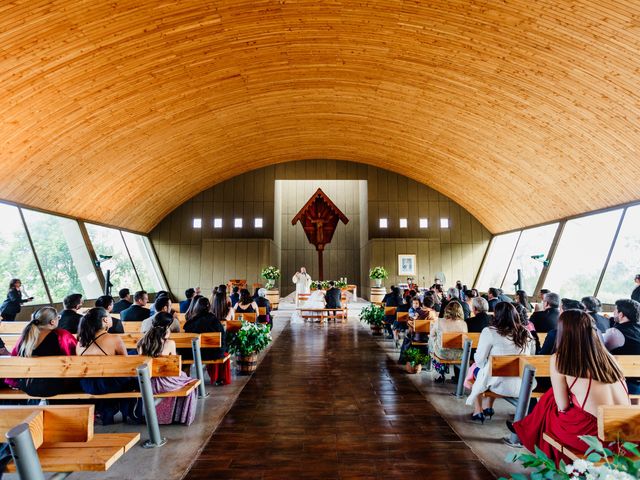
column 340, row 284
column 374, row 316
column 378, row 274
column 415, row 359
column 271, row 274
column 250, row 340
column 316, row 285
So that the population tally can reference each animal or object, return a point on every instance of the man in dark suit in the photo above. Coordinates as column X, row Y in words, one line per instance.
column 184, row 304
column 594, row 306
column 137, row 312
column 492, row 297
column 481, row 318
column 454, row 296
column 69, row 317
column 106, row 302
column 124, row 302
column 332, row 297
column 547, row 319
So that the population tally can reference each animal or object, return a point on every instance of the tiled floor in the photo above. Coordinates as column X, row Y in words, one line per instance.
column 326, row 404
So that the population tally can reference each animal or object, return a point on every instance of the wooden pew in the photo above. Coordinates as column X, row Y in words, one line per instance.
column 247, row 317
column 100, row 366
column 322, row 314
column 424, row 327
column 134, row 327
column 64, row 438
column 232, row 326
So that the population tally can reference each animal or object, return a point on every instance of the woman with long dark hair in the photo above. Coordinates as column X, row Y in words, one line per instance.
column 13, row 303
column 157, row 342
column 189, row 313
column 584, row 376
column 42, row 338
column 94, row 339
column 246, row 304
column 505, row 336
column 522, row 299
column 220, row 307
column 204, row 321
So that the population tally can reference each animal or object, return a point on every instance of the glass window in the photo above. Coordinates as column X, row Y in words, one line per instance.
column 497, row 260
column 237, row 223
column 624, row 265
column 197, row 223
column 257, row 223
column 16, row 257
column 444, row 223
column 403, row 223
column 144, row 261
column 107, row 242
column 424, row 223
column 63, row 256
column 582, row 251
column 534, row 242
column 217, row 223
column 383, row 223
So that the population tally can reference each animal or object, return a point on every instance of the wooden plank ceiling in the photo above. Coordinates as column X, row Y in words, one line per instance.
column 521, row 111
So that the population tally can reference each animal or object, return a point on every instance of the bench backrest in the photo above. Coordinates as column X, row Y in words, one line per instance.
column 390, row 310
column 88, row 366
column 619, row 422
column 422, row 326
column 50, row 423
column 513, row 365
column 262, row 311
column 134, row 327
column 12, row 327
column 247, row 317
column 232, row 325
column 456, row 339
column 402, row 316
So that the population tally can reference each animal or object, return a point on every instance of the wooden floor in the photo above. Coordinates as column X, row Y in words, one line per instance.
column 327, row 404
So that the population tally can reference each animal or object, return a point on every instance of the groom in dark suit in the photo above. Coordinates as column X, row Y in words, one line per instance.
column 332, row 297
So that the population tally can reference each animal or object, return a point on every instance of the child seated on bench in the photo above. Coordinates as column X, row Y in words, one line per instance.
column 584, row 376
column 94, row 339
column 157, row 342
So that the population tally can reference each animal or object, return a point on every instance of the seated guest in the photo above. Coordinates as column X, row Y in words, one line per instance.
column 138, row 311
column 492, row 298
column 184, row 304
column 263, row 302
column 387, row 295
column 235, row 296
column 162, row 304
column 106, row 302
column 161, row 293
column 469, row 295
column 332, row 296
column 523, row 299
column 502, row 297
column 205, row 321
column 624, row 337
column 540, row 299
column 549, row 345
column 220, row 307
column 584, row 376
column 505, row 336
column 124, row 302
column 394, row 300
column 42, row 338
column 453, row 296
column 453, row 321
column 192, row 306
column 418, row 311
column 547, row 319
column 594, row 307
column 635, row 295
column 69, row 317
column 157, row 342
column 245, row 304
column 481, row 319
column 94, row 339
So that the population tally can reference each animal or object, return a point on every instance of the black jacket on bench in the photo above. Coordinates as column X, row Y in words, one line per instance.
column 207, row 323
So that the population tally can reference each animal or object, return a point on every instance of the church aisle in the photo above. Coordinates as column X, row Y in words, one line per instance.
column 326, row 404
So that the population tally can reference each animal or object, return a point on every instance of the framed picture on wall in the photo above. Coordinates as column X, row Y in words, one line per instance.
column 406, row 265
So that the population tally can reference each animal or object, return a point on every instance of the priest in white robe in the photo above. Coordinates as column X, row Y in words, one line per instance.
column 302, row 281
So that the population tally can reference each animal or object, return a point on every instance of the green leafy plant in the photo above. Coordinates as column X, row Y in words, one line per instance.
column 340, row 284
column 600, row 463
column 415, row 356
column 271, row 274
column 251, row 338
column 378, row 273
column 373, row 315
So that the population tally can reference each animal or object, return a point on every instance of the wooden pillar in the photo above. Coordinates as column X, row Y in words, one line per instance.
column 320, row 266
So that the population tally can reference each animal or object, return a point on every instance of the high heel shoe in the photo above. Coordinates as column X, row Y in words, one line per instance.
column 510, row 426
column 488, row 412
column 478, row 417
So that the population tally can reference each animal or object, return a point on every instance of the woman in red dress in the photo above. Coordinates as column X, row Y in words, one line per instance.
column 583, row 377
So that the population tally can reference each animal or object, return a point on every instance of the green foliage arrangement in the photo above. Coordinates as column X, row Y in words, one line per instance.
column 600, row 463
column 251, row 338
column 341, row 284
column 271, row 274
column 373, row 315
column 378, row 273
column 415, row 356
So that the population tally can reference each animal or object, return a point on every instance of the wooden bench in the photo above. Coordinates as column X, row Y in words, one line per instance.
column 322, row 314
column 100, row 366
column 232, row 326
column 135, row 327
column 246, row 317
column 421, row 326
column 62, row 440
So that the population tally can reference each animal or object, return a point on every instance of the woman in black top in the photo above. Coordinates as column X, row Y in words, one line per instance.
column 204, row 321
column 246, row 304
column 13, row 303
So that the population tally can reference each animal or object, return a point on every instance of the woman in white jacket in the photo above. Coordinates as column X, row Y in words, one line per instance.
column 505, row 336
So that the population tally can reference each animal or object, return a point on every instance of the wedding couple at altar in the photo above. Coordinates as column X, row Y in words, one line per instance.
column 319, row 299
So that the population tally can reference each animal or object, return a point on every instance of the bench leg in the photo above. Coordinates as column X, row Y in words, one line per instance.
column 24, row 453
column 523, row 401
column 144, row 379
column 197, row 360
column 464, row 368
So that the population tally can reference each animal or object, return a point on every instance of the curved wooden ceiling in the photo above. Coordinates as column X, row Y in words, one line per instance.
column 520, row 111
